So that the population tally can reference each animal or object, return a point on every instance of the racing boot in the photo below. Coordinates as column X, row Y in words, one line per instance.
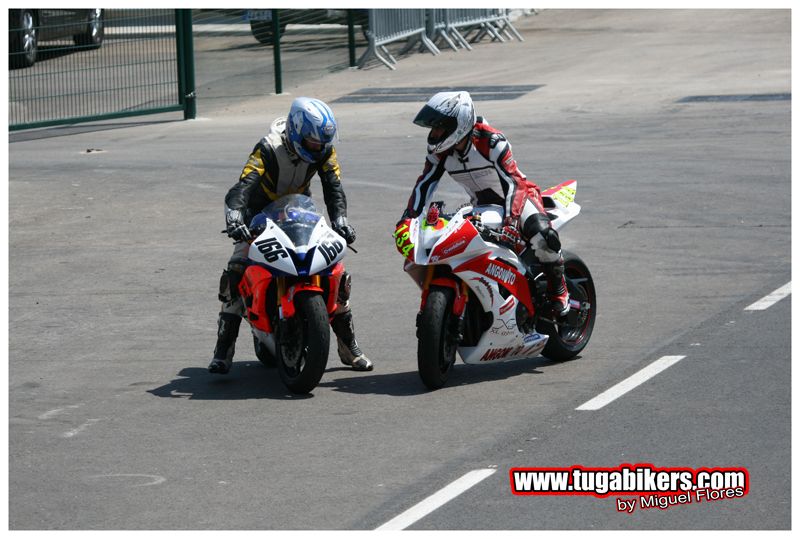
column 557, row 287
column 349, row 352
column 228, row 325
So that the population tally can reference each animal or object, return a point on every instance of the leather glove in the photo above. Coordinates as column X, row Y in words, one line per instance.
column 236, row 228
column 346, row 231
column 511, row 234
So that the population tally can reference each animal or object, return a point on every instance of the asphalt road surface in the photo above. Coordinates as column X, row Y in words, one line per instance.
column 115, row 255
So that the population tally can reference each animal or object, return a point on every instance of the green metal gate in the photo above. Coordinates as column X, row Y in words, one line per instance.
column 141, row 63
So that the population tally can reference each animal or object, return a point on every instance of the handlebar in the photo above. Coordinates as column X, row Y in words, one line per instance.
column 515, row 243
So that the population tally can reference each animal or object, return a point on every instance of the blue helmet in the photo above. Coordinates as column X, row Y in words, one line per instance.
column 310, row 128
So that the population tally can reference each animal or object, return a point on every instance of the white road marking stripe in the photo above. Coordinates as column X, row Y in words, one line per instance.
column 447, row 190
column 438, row 499
column 630, row 383
column 51, row 413
column 73, row 432
column 154, row 479
column 771, row 299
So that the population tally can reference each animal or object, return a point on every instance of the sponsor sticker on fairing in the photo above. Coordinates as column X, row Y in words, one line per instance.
column 501, row 273
column 507, row 305
column 634, row 486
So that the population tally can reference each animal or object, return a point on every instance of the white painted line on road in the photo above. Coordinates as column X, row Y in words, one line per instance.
column 630, row 383
column 51, row 413
column 405, row 188
column 771, row 299
column 153, row 479
column 435, row 501
column 73, row 432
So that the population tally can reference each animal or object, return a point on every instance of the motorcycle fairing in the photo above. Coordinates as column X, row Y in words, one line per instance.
column 331, row 248
column 455, row 243
column 274, row 249
column 487, row 350
column 253, row 289
column 334, row 281
column 503, row 274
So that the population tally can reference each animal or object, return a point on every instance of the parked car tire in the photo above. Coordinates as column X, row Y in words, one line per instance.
column 92, row 38
column 262, row 31
column 24, row 41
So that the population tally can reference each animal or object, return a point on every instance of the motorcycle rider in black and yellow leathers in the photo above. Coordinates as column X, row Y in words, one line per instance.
column 283, row 163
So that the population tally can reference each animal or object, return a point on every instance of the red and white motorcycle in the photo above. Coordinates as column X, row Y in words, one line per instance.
column 476, row 296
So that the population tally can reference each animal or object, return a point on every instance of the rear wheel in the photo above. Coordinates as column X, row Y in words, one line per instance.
column 303, row 343
column 24, row 40
column 570, row 334
column 437, row 344
column 92, row 37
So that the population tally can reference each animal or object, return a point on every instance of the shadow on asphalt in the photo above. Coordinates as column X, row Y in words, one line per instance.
column 250, row 380
column 405, row 384
column 63, row 131
column 246, row 380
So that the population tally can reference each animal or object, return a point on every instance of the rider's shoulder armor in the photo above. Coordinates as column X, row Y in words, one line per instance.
column 485, row 137
column 275, row 136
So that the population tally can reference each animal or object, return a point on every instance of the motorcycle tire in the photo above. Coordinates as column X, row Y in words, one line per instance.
column 303, row 356
column 567, row 341
column 436, row 347
column 264, row 355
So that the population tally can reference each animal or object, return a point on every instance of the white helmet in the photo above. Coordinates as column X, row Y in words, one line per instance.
column 451, row 111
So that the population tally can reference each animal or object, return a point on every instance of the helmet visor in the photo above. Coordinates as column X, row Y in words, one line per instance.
column 312, row 145
column 430, row 117
column 441, row 125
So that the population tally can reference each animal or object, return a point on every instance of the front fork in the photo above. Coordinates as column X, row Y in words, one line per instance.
column 461, row 291
column 285, row 303
column 286, row 297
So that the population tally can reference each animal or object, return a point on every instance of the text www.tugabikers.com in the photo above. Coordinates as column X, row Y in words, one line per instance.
column 626, row 479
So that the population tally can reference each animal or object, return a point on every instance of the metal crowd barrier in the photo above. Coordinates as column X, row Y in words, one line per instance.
column 390, row 25
column 456, row 27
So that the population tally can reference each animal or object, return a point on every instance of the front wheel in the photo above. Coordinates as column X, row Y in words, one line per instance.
column 570, row 335
column 437, row 344
column 303, row 343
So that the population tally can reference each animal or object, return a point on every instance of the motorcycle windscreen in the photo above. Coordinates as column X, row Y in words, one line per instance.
column 296, row 215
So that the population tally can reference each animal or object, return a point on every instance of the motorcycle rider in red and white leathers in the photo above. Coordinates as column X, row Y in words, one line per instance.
column 478, row 157
column 283, row 163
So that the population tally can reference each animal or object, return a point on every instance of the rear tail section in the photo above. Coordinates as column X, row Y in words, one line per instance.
column 559, row 203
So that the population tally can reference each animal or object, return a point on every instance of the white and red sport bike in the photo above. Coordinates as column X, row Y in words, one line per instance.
column 477, row 299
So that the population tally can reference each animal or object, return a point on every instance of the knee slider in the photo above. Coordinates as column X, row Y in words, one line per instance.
column 344, row 289
column 535, row 224
column 552, row 239
column 540, row 224
column 229, row 282
column 224, row 294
